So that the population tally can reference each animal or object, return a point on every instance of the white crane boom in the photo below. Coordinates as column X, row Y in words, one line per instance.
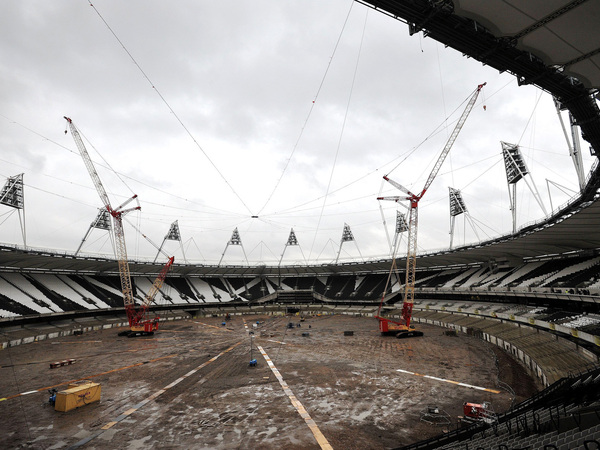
column 117, row 214
column 89, row 164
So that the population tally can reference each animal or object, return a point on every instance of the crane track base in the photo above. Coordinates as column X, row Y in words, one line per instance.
column 389, row 333
column 131, row 333
column 409, row 334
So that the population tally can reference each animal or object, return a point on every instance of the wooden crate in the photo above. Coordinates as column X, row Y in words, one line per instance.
column 77, row 395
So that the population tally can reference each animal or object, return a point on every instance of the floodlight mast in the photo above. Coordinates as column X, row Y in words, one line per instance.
column 403, row 329
column 139, row 323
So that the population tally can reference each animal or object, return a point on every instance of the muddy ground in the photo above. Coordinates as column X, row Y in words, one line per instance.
column 168, row 390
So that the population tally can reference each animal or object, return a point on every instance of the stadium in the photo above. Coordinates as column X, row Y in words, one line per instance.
column 287, row 351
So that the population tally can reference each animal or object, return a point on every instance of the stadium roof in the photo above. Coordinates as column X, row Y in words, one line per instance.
column 554, row 45
column 563, row 34
column 574, row 228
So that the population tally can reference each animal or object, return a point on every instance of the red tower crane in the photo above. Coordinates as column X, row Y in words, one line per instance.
column 402, row 328
column 139, row 322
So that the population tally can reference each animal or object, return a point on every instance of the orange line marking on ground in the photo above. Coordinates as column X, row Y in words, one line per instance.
column 213, row 326
column 90, row 376
column 152, row 397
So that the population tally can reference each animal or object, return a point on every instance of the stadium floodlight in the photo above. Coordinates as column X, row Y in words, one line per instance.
column 458, row 207
column 401, row 227
column 457, row 204
column 401, row 224
column 12, row 195
column 172, row 235
column 292, row 241
column 12, row 192
column 513, row 163
column 347, row 236
column 102, row 222
column 235, row 240
column 516, row 170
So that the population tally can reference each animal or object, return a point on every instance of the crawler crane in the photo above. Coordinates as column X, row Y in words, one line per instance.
column 403, row 327
column 139, row 322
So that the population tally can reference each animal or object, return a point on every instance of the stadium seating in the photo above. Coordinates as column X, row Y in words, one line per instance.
column 565, row 415
column 25, row 294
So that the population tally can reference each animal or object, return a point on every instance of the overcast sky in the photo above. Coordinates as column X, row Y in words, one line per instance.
column 215, row 112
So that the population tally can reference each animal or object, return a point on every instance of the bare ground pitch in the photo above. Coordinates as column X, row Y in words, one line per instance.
column 191, row 385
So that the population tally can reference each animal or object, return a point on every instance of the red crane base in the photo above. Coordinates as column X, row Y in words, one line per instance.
column 389, row 327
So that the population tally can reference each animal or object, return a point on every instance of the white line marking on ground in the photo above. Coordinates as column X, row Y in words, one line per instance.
column 29, row 392
column 321, row 440
column 450, row 381
column 144, row 402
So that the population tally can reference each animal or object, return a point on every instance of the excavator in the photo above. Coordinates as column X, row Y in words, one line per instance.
column 140, row 324
column 402, row 328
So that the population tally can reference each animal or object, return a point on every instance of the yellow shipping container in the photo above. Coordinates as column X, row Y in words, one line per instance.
column 77, row 395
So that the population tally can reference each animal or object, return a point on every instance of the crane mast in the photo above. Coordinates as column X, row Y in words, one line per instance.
column 138, row 320
column 403, row 329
